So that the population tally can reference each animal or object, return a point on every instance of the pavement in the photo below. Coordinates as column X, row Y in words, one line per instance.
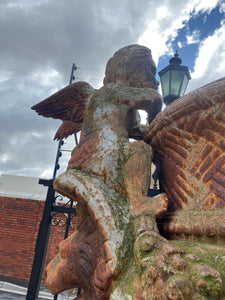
column 9, row 291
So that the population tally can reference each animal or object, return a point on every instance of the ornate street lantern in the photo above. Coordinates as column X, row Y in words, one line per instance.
column 174, row 80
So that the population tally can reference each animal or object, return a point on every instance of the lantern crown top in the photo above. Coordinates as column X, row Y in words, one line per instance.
column 174, row 79
column 175, row 60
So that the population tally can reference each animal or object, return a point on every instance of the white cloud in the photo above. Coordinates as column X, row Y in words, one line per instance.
column 4, row 76
column 4, row 157
column 160, row 31
column 222, row 7
column 180, row 45
column 162, row 12
column 46, row 78
column 206, row 5
column 210, row 62
column 41, row 39
column 23, row 3
column 193, row 38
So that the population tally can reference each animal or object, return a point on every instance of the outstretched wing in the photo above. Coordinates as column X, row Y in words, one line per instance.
column 67, row 128
column 188, row 139
column 67, row 104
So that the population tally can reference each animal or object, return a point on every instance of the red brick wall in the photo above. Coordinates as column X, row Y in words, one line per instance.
column 20, row 220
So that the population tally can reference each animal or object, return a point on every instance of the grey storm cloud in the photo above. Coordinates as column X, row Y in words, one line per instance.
column 42, row 37
column 39, row 42
column 55, row 32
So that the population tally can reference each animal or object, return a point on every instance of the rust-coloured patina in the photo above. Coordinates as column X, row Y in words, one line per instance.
column 128, row 245
column 68, row 105
column 87, row 259
column 188, row 138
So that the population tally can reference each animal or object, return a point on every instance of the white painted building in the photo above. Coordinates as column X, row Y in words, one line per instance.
column 22, row 187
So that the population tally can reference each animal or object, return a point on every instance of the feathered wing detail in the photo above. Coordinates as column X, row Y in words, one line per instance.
column 67, row 104
column 188, row 139
column 66, row 129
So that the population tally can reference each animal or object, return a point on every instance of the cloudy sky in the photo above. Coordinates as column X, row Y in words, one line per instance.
column 40, row 39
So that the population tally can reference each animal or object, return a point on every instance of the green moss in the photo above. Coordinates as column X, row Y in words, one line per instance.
column 120, row 209
column 121, row 162
column 119, row 206
column 125, row 287
column 212, row 256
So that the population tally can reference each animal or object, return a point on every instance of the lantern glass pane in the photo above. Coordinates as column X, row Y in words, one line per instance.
column 184, row 85
column 176, row 81
column 165, row 83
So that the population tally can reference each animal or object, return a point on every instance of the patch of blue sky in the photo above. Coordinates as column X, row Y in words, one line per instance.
column 196, row 29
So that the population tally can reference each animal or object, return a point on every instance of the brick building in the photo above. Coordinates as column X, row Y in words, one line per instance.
column 22, row 202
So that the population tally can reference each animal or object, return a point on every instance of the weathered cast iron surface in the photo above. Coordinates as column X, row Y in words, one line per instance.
column 90, row 257
column 188, row 139
column 117, row 251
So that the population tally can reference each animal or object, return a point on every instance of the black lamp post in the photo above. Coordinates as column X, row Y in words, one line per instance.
column 174, row 80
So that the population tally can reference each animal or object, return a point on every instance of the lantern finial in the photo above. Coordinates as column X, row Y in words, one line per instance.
column 175, row 60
